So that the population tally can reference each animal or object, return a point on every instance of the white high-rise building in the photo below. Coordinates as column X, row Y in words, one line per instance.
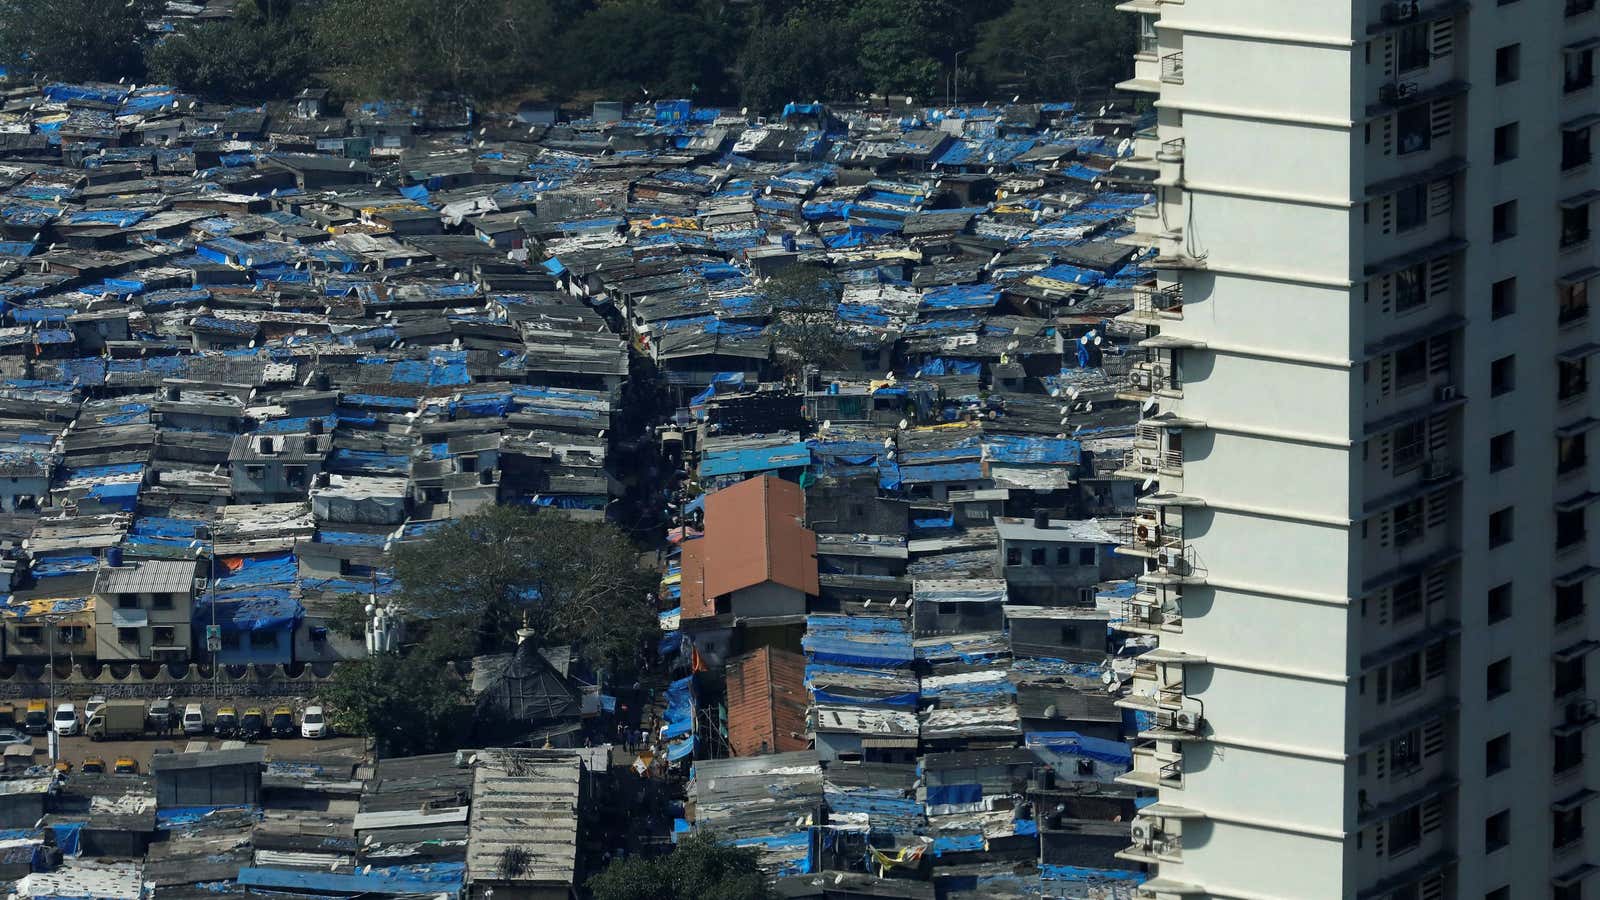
column 1367, row 408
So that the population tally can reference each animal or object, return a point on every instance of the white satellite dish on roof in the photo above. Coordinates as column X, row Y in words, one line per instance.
column 1124, row 147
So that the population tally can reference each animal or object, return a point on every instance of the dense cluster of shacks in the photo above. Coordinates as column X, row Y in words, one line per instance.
column 247, row 351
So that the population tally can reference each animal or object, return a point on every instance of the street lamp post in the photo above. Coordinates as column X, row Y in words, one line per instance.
column 955, row 80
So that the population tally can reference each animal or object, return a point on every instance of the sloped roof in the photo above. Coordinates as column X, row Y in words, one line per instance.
column 767, row 702
column 753, row 534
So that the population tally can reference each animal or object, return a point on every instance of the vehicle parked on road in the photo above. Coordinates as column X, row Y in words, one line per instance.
column 117, row 720
column 283, row 722
column 37, row 718
column 226, row 724
column 93, row 706
column 253, row 724
column 163, row 715
column 13, row 736
column 93, row 765
column 194, row 719
column 66, row 720
column 313, row 724
column 125, row 765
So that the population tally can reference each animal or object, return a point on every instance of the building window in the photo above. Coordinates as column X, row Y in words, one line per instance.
column 1504, row 223
column 1579, row 70
column 1572, row 302
column 1502, row 528
column 1407, row 519
column 1502, row 375
column 1566, row 827
column 1414, row 51
column 1405, row 598
column 163, row 635
column 1569, row 602
column 1569, row 677
column 1410, row 288
column 1411, row 365
column 1568, row 752
column 1499, row 603
column 161, row 600
column 29, row 634
column 1579, row 7
column 1574, row 225
column 1414, row 128
column 230, row 640
column 1572, row 378
column 1070, row 636
column 294, row 476
column 1497, row 678
column 1404, row 831
column 1503, row 298
column 127, row 601
column 1013, row 556
column 1409, row 443
column 255, row 473
column 1411, row 207
column 1505, row 143
column 127, row 635
column 72, row 634
column 1497, row 831
column 1086, row 556
column 1502, row 451
column 1405, row 753
column 1507, row 63
column 1036, row 556
column 1405, row 675
column 1572, row 453
column 1571, row 528
column 263, row 640
column 1572, row 890
column 1497, row 754
column 1574, row 148
column 1063, row 556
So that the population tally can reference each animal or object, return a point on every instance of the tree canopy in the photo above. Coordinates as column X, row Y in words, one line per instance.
column 483, row 577
column 75, row 40
column 766, row 52
column 257, row 54
column 408, row 705
column 806, row 329
column 699, row 868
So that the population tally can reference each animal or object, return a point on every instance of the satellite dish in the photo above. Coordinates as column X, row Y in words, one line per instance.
column 1147, row 483
column 1124, row 147
column 1148, row 405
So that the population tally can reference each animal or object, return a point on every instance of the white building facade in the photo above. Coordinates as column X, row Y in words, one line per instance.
column 1368, row 556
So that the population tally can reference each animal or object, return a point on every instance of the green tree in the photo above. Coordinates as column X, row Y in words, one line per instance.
column 252, row 56
column 76, row 40
column 408, row 705
column 482, row 48
column 805, row 57
column 700, row 868
column 907, row 46
column 480, row 578
column 632, row 46
column 1057, row 49
column 806, row 329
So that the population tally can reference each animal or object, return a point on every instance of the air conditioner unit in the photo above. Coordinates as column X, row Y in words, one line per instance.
column 1144, row 833
column 1186, row 720
column 1445, row 393
column 1141, row 378
column 1403, row 11
column 1435, row 470
column 1167, row 559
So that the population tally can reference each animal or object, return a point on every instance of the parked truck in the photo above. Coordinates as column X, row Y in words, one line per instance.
column 117, row 719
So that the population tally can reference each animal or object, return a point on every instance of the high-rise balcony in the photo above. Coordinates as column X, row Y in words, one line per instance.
column 1155, row 304
column 1151, row 610
column 1154, row 767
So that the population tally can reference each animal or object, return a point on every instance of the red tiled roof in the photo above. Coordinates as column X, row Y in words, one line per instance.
column 767, row 702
